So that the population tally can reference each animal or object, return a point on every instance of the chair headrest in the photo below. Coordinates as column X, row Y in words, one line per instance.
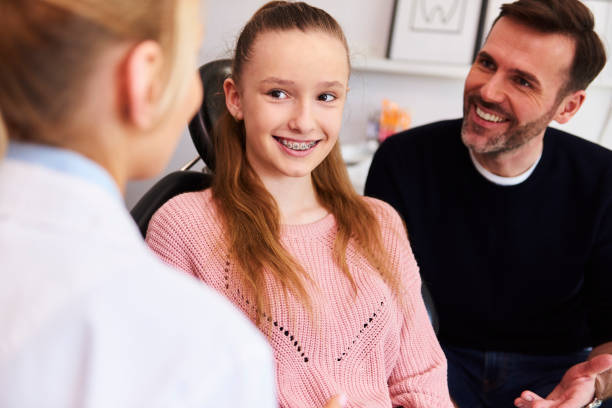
column 213, row 105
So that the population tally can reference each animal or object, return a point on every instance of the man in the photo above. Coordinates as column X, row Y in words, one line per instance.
column 511, row 221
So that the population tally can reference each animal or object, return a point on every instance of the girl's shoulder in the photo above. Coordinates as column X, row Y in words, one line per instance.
column 383, row 211
column 391, row 224
column 195, row 209
column 189, row 205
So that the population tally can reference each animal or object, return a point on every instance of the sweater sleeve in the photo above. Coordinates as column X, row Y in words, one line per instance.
column 419, row 376
column 598, row 279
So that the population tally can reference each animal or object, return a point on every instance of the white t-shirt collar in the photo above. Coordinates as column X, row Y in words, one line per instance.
column 504, row 181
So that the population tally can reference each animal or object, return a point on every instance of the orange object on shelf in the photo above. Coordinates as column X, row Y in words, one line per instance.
column 392, row 119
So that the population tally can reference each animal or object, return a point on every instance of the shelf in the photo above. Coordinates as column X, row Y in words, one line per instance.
column 440, row 70
column 387, row 66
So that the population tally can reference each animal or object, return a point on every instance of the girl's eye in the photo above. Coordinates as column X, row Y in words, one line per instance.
column 278, row 94
column 327, row 97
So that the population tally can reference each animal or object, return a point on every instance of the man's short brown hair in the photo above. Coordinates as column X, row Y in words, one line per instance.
column 568, row 17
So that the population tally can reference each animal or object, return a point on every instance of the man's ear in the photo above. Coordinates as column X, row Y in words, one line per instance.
column 568, row 107
column 232, row 99
column 141, row 83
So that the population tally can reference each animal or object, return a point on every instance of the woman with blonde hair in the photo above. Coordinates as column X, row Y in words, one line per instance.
column 326, row 274
column 95, row 93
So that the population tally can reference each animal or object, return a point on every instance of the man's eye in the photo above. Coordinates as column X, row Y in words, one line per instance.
column 487, row 64
column 278, row 94
column 327, row 97
column 523, row 82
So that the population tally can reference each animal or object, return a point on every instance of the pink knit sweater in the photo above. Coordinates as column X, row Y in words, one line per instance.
column 369, row 347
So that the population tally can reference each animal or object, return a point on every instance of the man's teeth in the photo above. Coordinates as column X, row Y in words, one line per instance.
column 487, row 116
column 297, row 145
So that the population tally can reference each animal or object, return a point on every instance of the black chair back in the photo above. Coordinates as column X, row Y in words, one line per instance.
column 201, row 127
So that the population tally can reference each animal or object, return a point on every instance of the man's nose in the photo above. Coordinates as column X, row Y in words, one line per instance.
column 493, row 89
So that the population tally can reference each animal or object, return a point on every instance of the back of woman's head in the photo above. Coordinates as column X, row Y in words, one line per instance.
column 49, row 48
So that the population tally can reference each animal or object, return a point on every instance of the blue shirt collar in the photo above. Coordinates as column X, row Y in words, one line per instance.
column 65, row 161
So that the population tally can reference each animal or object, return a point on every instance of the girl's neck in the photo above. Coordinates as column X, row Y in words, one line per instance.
column 296, row 199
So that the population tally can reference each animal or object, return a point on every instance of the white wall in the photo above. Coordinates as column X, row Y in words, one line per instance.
column 366, row 24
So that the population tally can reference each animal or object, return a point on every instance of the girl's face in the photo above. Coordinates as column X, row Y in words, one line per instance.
column 291, row 97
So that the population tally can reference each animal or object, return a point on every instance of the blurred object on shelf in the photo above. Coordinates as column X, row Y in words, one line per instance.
column 357, row 157
column 372, row 128
column 358, row 154
column 392, row 119
column 354, row 153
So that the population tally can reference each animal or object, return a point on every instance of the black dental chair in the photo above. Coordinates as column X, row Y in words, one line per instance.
column 201, row 130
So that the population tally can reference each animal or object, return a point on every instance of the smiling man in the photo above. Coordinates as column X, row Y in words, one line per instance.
column 511, row 221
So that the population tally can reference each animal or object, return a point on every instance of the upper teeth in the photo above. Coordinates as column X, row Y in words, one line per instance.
column 488, row 116
column 297, row 145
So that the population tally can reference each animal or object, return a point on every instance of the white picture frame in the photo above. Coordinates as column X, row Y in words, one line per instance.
column 435, row 31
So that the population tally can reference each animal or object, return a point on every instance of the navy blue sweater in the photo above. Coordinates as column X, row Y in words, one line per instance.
column 525, row 268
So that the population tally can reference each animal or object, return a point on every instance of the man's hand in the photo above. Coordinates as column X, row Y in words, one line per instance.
column 603, row 382
column 575, row 390
column 339, row 401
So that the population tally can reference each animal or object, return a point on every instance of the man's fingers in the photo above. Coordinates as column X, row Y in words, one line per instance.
column 531, row 396
column 530, row 399
column 339, row 401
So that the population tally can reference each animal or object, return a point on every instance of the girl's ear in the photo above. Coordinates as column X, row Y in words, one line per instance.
column 141, row 83
column 232, row 99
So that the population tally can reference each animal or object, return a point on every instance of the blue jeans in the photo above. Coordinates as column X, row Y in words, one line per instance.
column 483, row 379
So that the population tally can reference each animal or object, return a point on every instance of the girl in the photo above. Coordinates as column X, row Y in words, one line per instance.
column 94, row 93
column 327, row 275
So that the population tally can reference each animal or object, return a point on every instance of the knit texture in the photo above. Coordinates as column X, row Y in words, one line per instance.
column 380, row 353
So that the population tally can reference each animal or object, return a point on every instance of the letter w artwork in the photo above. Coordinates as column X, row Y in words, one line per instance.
column 435, row 31
column 438, row 15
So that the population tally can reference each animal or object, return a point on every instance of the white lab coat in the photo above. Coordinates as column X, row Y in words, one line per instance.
column 90, row 318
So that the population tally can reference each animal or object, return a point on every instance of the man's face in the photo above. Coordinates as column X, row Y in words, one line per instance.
column 512, row 91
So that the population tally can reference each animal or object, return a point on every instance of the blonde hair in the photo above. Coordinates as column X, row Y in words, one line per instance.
column 48, row 48
column 249, row 211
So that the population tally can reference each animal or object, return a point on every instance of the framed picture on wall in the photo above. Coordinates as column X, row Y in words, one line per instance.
column 435, row 31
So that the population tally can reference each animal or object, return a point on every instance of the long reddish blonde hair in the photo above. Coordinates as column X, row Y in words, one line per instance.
column 250, row 213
